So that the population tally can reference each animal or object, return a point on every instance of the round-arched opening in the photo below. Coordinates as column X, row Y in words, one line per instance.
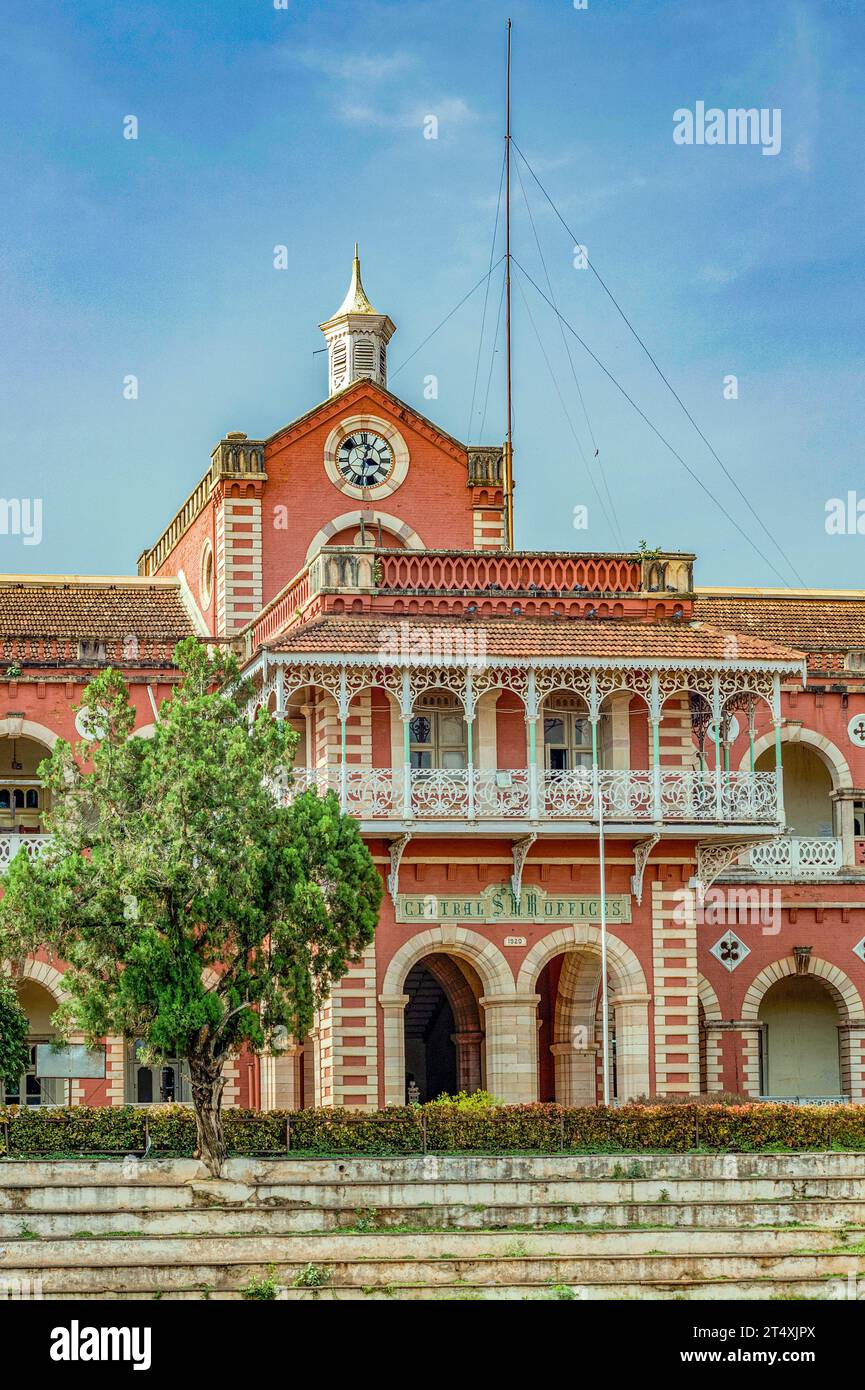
column 29, row 1089
column 22, row 796
column 807, row 788
column 800, row 1052
column 570, row 1031
column 442, row 1029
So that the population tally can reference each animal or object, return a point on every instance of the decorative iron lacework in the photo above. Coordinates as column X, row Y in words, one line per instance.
column 722, row 687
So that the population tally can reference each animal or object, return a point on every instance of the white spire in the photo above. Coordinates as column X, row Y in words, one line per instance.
column 357, row 337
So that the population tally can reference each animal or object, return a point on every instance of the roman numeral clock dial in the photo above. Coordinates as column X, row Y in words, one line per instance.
column 365, row 459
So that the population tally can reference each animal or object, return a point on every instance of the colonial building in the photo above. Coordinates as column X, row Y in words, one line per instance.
column 525, row 738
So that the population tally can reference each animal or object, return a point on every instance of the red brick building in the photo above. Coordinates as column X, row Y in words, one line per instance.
column 485, row 715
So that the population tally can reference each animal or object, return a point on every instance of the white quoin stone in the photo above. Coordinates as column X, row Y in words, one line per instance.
column 357, row 337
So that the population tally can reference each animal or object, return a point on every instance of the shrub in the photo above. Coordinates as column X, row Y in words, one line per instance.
column 458, row 1124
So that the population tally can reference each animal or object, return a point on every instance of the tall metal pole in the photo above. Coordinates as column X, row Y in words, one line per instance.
column 605, row 1003
column 509, row 448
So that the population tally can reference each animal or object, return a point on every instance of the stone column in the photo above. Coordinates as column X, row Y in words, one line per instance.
column 280, row 1079
column 393, row 1061
column 468, row 1049
column 512, row 1046
column 576, row 1069
column 631, row 1013
column 852, row 1039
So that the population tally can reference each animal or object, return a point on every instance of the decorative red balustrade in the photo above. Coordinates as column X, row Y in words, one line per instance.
column 283, row 611
column 514, row 574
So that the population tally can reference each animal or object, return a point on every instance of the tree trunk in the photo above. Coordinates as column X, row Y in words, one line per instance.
column 208, row 1083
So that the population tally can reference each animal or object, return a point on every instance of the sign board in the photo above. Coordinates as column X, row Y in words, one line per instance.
column 498, row 904
column 75, row 1062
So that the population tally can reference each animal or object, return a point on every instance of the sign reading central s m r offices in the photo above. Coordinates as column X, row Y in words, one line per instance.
column 498, row 903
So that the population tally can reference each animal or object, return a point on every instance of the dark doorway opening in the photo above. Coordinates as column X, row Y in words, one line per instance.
column 430, row 1053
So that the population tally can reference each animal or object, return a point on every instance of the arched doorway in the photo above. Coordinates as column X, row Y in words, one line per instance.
column 808, row 789
column 569, row 1034
column 800, row 1044
column 442, row 1028
column 28, row 1089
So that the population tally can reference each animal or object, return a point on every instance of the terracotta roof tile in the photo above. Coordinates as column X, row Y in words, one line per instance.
column 826, row 626
column 100, row 610
column 609, row 639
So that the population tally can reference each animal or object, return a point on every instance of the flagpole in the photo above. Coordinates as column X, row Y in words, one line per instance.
column 605, row 1004
column 509, row 446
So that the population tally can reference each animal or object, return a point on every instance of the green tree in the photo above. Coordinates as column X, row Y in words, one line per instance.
column 14, row 1027
column 194, row 910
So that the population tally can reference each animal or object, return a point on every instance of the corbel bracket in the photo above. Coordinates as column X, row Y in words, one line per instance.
column 397, row 849
column 642, row 850
column 519, row 850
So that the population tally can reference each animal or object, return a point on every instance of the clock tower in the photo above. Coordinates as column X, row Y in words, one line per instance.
column 357, row 338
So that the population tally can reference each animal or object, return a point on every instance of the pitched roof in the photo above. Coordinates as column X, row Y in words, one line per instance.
column 97, row 609
column 605, row 639
column 824, row 624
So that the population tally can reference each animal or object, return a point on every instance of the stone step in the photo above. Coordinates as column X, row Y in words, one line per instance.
column 138, row 1248
column 418, row 1192
column 471, row 1274
column 703, row 1216
column 156, row 1172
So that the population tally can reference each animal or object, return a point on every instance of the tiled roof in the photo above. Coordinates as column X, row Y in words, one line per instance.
column 826, row 626
column 97, row 609
column 610, row 639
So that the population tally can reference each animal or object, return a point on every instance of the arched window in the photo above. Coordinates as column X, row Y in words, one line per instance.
column 5, row 799
column 32, row 799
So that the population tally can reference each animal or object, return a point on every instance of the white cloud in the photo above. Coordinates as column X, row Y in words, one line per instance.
column 450, row 112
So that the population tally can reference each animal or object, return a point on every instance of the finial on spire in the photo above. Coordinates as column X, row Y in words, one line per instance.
column 355, row 301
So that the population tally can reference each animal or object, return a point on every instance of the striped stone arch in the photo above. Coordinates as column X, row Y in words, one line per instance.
column 28, row 729
column 486, row 958
column 709, row 999
column 370, row 517
column 629, row 1005
column 626, row 972
column 48, row 976
column 839, row 984
column 826, row 750
column 497, row 1003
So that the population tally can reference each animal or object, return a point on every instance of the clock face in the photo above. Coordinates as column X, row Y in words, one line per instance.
column 364, row 459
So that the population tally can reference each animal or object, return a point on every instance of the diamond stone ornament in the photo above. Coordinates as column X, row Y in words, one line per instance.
column 730, row 950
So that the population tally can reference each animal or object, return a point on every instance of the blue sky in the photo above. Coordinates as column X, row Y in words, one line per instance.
column 304, row 127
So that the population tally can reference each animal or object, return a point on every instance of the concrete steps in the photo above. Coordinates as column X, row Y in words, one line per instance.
column 599, row 1227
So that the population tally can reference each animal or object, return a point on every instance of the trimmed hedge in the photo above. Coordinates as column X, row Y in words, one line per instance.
column 672, row 1128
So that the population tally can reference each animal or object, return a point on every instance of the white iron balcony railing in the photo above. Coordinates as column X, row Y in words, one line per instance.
column 12, row 843
column 664, row 794
column 795, row 856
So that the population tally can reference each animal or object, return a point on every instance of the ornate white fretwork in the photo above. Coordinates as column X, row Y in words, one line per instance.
column 397, row 849
column 519, row 850
column 714, row 857
column 642, row 850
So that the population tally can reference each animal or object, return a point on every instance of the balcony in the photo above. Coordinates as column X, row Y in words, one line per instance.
column 12, row 843
column 489, row 795
column 794, row 857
